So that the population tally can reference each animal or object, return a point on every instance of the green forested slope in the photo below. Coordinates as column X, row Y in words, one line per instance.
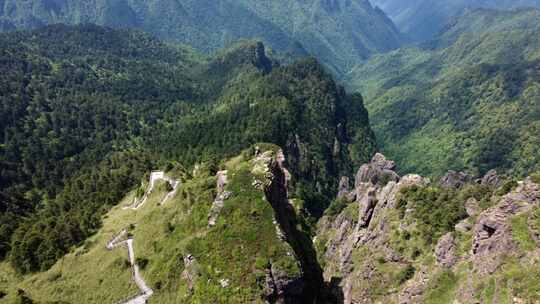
column 469, row 100
column 339, row 33
column 421, row 20
column 86, row 111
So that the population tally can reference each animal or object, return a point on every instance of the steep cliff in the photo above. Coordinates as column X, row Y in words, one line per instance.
column 408, row 240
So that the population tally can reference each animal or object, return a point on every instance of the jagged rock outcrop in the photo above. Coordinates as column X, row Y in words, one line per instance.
column 472, row 207
column 221, row 197
column 279, row 287
column 378, row 171
column 376, row 190
column 368, row 246
column 344, row 188
column 455, row 180
column 492, row 239
column 492, row 179
column 275, row 177
column 445, row 250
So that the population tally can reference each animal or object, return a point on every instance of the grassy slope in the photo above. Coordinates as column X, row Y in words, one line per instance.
column 238, row 248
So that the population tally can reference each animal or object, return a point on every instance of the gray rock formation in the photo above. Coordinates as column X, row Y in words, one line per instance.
column 455, row 180
column 445, row 250
column 378, row 171
column 492, row 239
column 281, row 288
column 367, row 205
column 492, row 179
column 472, row 206
column 221, row 197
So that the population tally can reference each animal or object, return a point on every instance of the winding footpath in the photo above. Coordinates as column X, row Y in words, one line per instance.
column 154, row 177
column 145, row 291
column 122, row 239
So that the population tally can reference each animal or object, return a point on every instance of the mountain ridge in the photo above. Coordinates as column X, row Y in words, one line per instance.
column 339, row 33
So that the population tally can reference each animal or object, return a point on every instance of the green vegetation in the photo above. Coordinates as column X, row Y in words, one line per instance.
column 405, row 274
column 239, row 249
column 339, row 33
column 521, row 233
column 87, row 111
column 441, row 289
column 524, row 279
column 467, row 101
column 335, row 207
column 435, row 211
column 421, row 20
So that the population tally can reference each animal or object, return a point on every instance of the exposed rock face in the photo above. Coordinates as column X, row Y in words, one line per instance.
column 280, row 288
column 371, row 235
column 367, row 204
column 492, row 179
column 445, row 250
column 343, row 188
column 376, row 189
column 275, row 187
column 378, row 171
column 455, row 180
column 472, row 207
column 493, row 233
column 220, row 199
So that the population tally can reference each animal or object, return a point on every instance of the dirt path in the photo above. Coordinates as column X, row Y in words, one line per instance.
column 123, row 239
column 154, row 177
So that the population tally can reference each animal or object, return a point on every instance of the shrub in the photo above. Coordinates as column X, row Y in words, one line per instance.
column 405, row 274
column 336, row 206
column 521, row 234
column 435, row 210
column 507, row 187
column 536, row 177
column 142, row 262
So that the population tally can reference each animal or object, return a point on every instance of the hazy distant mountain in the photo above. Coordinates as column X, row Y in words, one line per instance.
column 339, row 32
column 422, row 19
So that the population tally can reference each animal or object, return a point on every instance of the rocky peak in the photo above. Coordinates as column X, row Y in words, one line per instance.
column 378, row 171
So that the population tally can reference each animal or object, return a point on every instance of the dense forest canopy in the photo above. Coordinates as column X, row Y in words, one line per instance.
column 86, row 111
column 339, row 33
column 468, row 100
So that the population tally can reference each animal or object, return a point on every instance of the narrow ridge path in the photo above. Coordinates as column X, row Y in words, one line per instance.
column 154, row 177
column 145, row 291
column 122, row 239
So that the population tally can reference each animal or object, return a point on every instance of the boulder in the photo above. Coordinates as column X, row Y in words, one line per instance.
column 367, row 203
column 445, row 250
column 378, row 171
column 492, row 179
column 463, row 226
column 472, row 206
column 455, row 180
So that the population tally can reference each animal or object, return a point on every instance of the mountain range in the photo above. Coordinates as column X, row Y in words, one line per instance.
column 340, row 33
column 421, row 20
column 466, row 101
column 207, row 152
